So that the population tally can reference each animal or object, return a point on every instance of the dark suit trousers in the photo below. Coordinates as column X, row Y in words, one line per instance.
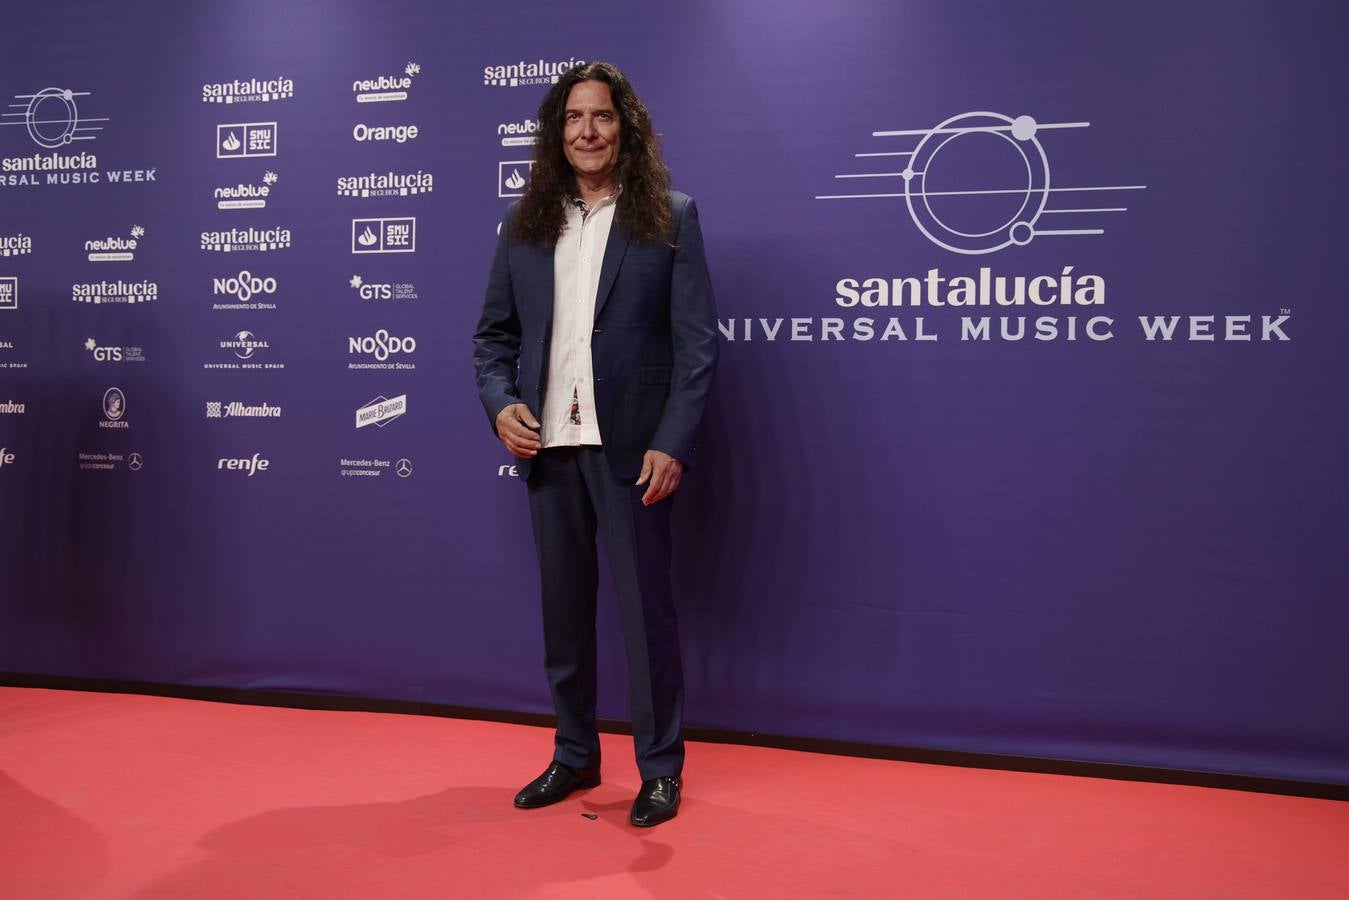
column 572, row 493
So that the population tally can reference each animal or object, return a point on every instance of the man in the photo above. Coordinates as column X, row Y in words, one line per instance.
column 594, row 355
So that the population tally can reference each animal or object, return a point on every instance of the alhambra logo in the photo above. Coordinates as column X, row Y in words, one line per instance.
column 15, row 245
column 115, row 249
column 239, row 240
column 979, row 182
column 252, row 90
column 387, row 184
column 523, row 74
column 246, row 196
column 386, row 88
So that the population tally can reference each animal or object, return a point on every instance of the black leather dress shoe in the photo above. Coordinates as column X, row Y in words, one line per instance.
column 657, row 801
column 555, row 784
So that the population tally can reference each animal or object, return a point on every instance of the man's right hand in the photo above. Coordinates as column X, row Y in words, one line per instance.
column 519, row 431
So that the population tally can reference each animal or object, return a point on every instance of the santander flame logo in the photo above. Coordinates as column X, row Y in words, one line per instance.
column 515, row 182
column 368, row 238
column 231, row 143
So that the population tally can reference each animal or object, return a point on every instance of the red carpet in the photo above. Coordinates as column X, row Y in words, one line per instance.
column 110, row 796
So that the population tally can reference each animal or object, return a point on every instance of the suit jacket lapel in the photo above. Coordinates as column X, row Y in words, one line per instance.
column 614, row 249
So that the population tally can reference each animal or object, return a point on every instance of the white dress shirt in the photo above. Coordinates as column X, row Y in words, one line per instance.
column 568, row 417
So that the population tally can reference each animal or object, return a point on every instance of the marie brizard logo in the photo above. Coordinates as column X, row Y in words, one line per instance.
column 979, row 182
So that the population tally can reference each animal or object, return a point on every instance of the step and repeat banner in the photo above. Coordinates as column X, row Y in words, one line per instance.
column 1028, row 436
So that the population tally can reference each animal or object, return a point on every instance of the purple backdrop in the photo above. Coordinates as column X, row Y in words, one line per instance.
column 1107, row 548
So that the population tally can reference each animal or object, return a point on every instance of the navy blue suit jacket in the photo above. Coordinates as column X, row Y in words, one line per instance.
column 653, row 349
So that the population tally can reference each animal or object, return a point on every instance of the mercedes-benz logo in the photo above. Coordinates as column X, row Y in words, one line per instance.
column 403, row 467
column 134, row 462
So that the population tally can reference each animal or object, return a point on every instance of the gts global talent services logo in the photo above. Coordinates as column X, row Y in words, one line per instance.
column 386, row 88
column 115, row 249
column 246, row 196
column 15, row 245
column 239, row 240
column 245, row 140
column 523, row 74
column 376, row 290
column 251, row 90
column 114, row 354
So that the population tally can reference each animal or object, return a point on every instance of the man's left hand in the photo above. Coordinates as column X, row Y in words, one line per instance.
column 660, row 473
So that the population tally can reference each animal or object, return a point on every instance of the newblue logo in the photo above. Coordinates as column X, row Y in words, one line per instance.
column 519, row 134
column 115, row 249
column 246, row 196
column 386, row 88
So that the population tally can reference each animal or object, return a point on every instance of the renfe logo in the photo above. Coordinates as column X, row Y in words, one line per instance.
column 252, row 465
column 5, row 457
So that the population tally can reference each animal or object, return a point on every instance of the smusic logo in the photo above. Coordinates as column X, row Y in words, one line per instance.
column 238, row 240
column 386, row 88
column 253, row 90
column 9, row 292
column 245, row 140
column 384, row 235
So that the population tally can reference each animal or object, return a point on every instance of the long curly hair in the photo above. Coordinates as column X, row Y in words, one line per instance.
column 643, row 207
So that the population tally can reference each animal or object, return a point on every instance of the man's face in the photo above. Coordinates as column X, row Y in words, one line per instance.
column 591, row 131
